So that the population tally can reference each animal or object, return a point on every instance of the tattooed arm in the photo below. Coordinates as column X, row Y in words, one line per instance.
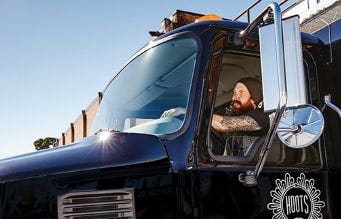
column 234, row 123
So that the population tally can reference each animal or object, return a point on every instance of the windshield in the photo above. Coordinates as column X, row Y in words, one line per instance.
column 150, row 95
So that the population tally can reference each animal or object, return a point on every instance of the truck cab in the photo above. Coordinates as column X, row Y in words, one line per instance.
column 152, row 152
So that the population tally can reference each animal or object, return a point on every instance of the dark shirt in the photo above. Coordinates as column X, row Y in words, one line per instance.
column 234, row 140
column 262, row 119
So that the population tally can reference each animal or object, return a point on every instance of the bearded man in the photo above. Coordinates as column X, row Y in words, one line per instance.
column 242, row 123
column 246, row 112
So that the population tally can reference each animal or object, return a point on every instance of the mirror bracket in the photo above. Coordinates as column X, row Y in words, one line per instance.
column 327, row 100
column 249, row 178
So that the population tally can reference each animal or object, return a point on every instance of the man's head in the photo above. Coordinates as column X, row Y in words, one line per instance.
column 247, row 94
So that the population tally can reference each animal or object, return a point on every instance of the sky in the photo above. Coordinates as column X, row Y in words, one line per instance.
column 56, row 55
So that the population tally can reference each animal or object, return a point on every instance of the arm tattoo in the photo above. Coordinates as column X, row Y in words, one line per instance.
column 239, row 123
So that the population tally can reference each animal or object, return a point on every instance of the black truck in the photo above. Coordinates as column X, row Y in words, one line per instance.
column 153, row 154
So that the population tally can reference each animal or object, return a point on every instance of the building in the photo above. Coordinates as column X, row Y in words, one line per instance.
column 315, row 14
column 81, row 126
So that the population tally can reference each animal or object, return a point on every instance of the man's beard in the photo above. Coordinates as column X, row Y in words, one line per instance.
column 237, row 108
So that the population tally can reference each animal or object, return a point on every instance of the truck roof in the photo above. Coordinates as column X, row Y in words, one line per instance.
column 185, row 20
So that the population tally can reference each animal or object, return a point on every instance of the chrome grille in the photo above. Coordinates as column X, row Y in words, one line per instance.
column 102, row 204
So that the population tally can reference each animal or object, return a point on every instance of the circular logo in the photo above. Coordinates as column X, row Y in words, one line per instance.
column 296, row 199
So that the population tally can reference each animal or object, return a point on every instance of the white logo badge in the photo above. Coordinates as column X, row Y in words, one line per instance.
column 298, row 199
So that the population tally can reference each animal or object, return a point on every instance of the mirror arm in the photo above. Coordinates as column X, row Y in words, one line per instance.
column 253, row 24
column 260, row 18
column 249, row 178
column 293, row 128
column 327, row 100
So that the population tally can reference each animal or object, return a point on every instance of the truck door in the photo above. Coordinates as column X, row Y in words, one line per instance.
column 292, row 183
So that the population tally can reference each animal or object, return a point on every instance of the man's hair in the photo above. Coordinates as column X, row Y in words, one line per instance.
column 255, row 88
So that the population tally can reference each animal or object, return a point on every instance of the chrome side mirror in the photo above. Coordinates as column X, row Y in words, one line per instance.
column 300, row 127
column 294, row 71
column 301, row 124
column 282, row 71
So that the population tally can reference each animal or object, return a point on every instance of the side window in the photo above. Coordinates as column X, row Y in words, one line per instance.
column 243, row 147
column 232, row 101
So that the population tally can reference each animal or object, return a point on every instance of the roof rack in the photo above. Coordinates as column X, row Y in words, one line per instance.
column 178, row 19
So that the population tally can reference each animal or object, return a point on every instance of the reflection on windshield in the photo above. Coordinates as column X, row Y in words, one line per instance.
column 150, row 95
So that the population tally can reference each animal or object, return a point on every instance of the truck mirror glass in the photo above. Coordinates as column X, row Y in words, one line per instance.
column 300, row 127
column 293, row 59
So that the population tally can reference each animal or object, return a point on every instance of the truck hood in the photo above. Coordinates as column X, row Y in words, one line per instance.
column 119, row 149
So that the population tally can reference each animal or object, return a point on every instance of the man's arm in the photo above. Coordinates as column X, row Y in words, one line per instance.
column 234, row 123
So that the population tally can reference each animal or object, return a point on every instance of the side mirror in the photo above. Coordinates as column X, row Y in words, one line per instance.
column 284, row 87
column 300, row 127
column 294, row 71
column 301, row 124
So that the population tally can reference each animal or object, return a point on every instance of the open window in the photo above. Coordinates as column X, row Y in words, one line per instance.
column 234, row 146
column 243, row 148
